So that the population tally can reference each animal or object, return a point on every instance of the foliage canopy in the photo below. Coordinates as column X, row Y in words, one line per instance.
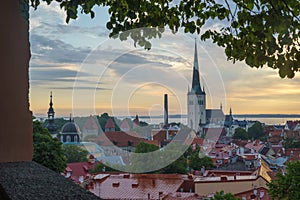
column 240, row 133
column 47, row 150
column 286, row 186
column 259, row 32
column 75, row 153
column 222, row 196
column 196, row 161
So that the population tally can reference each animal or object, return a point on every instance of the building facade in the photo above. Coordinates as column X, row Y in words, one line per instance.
column 196, row 99
column 198, row 115
column 70, row 132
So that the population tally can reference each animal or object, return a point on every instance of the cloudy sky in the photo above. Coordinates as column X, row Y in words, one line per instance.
column 89, row 73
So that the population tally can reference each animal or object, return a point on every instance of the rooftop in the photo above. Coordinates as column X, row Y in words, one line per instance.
column 137, row 186
column 29, row 180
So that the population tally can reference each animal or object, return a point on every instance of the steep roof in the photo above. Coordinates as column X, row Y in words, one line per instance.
column 196, row 87
column 125, row 125
column 291, row 125
column 256, row 145
column 110, row 123
column 79, row 169
column 90, row 124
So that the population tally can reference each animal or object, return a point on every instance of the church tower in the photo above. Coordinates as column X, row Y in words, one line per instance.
column 51, row 126
column 196, row 99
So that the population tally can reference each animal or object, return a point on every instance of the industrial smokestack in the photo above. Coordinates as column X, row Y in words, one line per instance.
column 166, row 110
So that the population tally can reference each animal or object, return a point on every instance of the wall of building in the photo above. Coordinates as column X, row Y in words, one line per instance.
column 196, row 110
column 16, row 119
column 234, row 187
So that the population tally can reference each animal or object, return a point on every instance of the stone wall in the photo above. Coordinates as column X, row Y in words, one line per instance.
column 16, row 119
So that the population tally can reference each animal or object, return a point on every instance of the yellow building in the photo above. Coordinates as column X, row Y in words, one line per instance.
column 233, row 182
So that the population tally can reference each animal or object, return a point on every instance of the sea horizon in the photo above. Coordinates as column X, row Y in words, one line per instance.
column 269, row 119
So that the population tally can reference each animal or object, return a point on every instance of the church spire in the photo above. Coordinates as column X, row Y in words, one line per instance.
column 196, row 88
column 51, row 104
column 51, row 110
column 51, row 126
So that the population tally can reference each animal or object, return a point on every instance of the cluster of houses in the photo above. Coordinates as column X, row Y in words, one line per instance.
column 242, row 167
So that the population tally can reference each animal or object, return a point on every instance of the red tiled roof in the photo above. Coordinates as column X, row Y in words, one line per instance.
column 137, row 186
column 79, row 169
column 120, row 139
column 160, row 135
column 240, row 143
column 155, row 142
column 292, row 124
column 218, row 153
column 293, row 154
column 255, row 145
column 90, row 124
column 198, row 141
column 124, row 125
column 110, row 123
column 275, row 133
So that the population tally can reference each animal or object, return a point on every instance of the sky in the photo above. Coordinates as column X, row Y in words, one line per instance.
column 89, row 73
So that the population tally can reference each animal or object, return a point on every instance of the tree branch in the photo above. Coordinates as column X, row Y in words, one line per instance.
column 291, row 11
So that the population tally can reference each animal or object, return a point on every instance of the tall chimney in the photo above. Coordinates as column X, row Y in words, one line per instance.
column 166, row 110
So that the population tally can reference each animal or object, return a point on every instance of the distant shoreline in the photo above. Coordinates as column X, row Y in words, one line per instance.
column 234, row 116
column 174, row 116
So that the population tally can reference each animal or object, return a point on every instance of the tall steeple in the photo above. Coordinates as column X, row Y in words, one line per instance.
column 51, row 126
column 196, row 99
column 51, row 110
column 196, row 87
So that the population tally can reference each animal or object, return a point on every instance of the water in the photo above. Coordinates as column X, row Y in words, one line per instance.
column 183, row 120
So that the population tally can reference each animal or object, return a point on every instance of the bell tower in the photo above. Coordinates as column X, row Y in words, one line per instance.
column 51, row 126
column 196, row 99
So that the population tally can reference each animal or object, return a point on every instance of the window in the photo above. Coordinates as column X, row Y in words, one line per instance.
column 75, row 138
column 68, row 138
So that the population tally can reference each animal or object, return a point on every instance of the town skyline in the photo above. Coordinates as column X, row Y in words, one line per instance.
column 59, row 51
